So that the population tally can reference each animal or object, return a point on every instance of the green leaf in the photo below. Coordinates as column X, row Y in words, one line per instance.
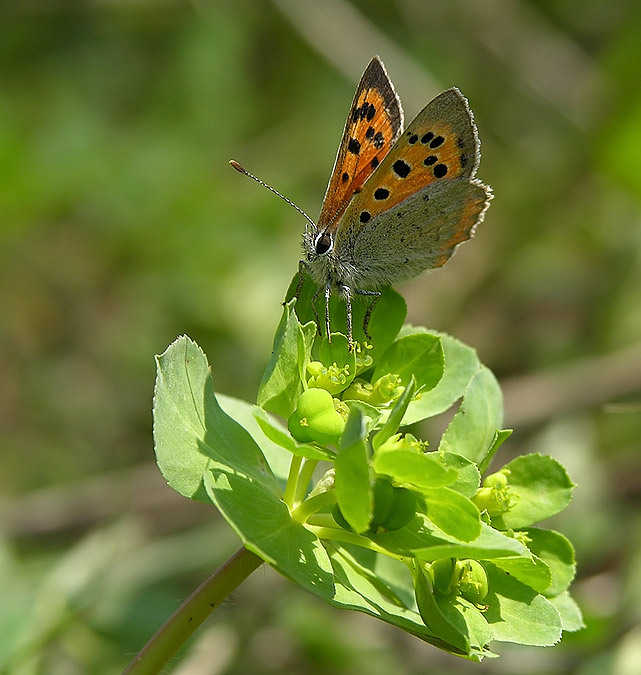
column 396, row 415
column 390, row 574
column 569, row 611
column 413, row 468
column 426, row 542
column 453, row 513
column 279, row 435
column 282, row 381
column 516, row 613
column 541, row 488
column 190, row 428
column 500, row 436
column 557, row 552
column 391, row 577
column 461, row 364
column 420, row 356
column 468, row 476
column 451, row 628
column 478, row 630
column 472, row 429
column 371, row 413
column 263, row 523
column 277, row 457
column 360, row 591
column 352, row 480
column 532, row 572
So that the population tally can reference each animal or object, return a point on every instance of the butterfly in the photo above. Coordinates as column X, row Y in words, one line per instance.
column 398, row 202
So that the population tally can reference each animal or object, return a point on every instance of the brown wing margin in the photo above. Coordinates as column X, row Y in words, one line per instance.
column 374, row 123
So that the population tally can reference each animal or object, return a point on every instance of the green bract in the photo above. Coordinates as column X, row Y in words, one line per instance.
column 391, row 529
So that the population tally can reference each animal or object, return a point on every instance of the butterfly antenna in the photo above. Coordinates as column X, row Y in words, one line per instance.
column 240, row 169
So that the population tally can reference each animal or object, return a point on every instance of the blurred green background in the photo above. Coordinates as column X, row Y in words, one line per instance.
column 122, row 226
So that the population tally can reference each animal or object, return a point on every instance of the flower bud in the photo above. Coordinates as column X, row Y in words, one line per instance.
column 472, row 580
column 386, row 389
column 363, row 359
column 316, row 419
column 497, row 480
column 394, row 507
column 442, row 571
column 403, row 442
column 358, row 390
column 495, row 496
column 332, row 378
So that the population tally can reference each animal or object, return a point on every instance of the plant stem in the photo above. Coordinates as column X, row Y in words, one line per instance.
column 198, row 606
column 305, row 476
column 338, row 534
column 292, row 480
column 310, row 506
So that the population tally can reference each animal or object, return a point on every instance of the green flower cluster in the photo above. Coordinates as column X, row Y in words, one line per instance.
column 384, row 524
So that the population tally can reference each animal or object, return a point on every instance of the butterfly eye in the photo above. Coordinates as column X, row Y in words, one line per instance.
column 324, row 243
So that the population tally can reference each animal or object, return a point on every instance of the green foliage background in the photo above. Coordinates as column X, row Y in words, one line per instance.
column 122, row 226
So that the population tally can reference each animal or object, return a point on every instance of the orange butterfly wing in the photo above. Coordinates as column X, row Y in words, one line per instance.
column 421, row 202
column 373, row 125
column 440, row 144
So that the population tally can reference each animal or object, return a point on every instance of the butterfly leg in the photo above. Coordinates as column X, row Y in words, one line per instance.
column 302, row 268
column 346, row 293
column 368, row 313
column 316, row 317
column 328, row 293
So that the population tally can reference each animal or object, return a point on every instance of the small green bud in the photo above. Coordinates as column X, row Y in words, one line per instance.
column 315, row 368
column 341, row 408
column 403, row 510
column 519, row 535
column 497, row 480
column 403, row 442
column 495, row 496
column 386, row 389
column 394, row 507
column 316, row 419
column 358, row 390
column 382, row 392
column 363, row 360
column 495, row 502
column 332, row 378
column 472, row 580
column 442, row 571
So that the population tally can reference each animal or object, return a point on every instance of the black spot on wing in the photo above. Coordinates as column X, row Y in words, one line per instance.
column 401, row 168
column 381, row 193
column 440, row 170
